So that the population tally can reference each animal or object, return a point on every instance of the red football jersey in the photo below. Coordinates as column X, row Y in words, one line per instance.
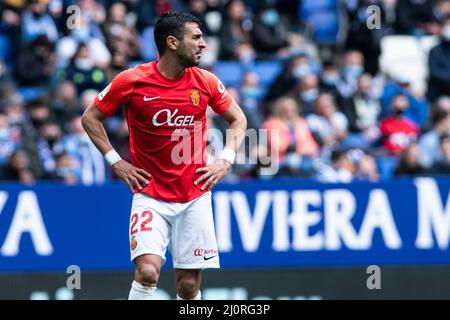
column 398, row 133
column 167, row 124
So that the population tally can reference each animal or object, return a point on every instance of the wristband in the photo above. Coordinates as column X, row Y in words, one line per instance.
column 228, row 154
column 112, row 157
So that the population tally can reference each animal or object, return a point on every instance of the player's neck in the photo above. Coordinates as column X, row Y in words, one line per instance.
column 169, row 68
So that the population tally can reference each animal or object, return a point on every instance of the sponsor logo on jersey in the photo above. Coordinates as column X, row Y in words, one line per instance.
column 195, row 97
column 220, row 87
column 150, row 98
column 207, row 254
column 102, row 94
column 165, row 116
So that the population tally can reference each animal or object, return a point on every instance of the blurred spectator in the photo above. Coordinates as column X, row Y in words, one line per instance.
column 416, row 17
column 337, row 171
column 398, row 132
column 442, row 166
column 83, row 71
column 235, row 37
column 39, row 113
column 67, row 169
column 49, row 146
column 119, row 36
column 86, row 97
column 198, row 8
column 37, row 22
column 418, row 106
column 250, row 93
column 294, row 143
column 10, row 12
column 439, row 65
column 9, row 141
column 119, row 63
column 429, row 142
column 14, row 108
column 362, row 111
column 307, row 91
column 8, row 87
column 389, row 8
column 409, row 162
column 327, row 125
column 148, row 10
column 64, row 103
column 269, row 34
column 329, row 77
column 35, row 62
column 68, row 46
column 294, row 70
column 363, row 39
column 95, row 15
column 442, row 10
column 365, row 167
column 352, row 68
column 91, row 164
column 289, row 9
column 442, row 104
column 18, row 169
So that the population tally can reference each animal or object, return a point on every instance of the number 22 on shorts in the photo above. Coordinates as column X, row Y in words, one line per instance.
column 146, row 218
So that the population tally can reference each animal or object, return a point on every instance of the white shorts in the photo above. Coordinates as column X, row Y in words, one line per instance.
column 186, row 228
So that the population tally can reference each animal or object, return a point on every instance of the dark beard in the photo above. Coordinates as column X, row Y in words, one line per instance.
column 187, row 63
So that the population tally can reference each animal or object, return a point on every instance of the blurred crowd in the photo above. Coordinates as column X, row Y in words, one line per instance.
column 309, row 69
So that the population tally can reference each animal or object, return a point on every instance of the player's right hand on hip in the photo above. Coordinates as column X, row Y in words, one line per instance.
column 133, row 176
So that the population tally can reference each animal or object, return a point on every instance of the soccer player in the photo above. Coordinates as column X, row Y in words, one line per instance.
column 165, row 102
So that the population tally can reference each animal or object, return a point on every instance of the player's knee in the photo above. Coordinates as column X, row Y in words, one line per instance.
column 187, row 287
column 147, row 274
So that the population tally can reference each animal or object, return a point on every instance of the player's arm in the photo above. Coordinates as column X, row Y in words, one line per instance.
column 92, row 124
column 235, row 135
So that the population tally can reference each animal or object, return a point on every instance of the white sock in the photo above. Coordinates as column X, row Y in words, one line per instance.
column 140, row 292
column 197, row 297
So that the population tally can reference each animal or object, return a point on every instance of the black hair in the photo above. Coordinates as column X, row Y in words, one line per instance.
column 438, row 116
column 171, row 24
column 337, row 154
column 443, row 137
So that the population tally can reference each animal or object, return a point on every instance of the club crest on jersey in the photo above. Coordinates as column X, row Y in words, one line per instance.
column 195, row 97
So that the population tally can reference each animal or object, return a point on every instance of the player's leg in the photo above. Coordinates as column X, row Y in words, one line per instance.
column 146, row 275
column 193, row 245
column 149, row 237
column 188, row 282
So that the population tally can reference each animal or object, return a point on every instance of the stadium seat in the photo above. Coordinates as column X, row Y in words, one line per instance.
column 407, row 56
column 5, row 48
column 31, row 93
column 267, row 71
column 322, row 17
column 229, row 72
column 386, row 166
column 148, row 47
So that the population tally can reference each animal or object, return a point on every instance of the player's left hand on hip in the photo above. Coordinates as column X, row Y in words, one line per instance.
column 213, row 173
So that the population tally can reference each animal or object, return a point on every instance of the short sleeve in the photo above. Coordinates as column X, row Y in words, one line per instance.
column 115, row 94
column 340, row 121
column 220, row 98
